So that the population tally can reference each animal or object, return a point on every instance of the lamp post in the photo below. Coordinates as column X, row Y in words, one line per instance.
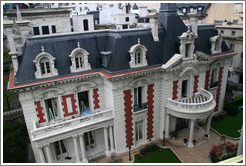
column 163, row 143
column 129, row 146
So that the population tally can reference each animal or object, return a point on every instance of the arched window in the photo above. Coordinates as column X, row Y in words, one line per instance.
column 138, row 55
column 216, row 42
column 45, row 65
column 79, row 59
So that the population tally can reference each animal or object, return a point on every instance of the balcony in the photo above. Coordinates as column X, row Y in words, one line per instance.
column 139, row 107
column 199, row 104
column 70, row 125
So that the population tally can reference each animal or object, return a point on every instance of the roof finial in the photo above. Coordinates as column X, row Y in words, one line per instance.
column 42, row 48
column 78, row 45
column 138, row 40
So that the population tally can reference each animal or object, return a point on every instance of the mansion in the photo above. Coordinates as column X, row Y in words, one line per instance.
column 98, row 92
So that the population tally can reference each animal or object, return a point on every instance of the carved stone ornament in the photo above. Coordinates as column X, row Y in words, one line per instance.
column 83, row 86
column 49, row 93
column 188, row 71
column 141, row 81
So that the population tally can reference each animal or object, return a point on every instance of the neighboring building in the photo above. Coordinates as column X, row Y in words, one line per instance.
column 95, row 93
column 124, row 21
column 212, row 13
column 83, row 23
column 44, row 21
column 233, row 36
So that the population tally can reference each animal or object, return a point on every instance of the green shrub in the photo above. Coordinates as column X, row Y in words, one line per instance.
column 200, row 123
column 174, row 134
column 238, row 101
column 230, row 108
column 116, row 159
column 228, row 156
column 149, row 148
column 218, row 117
column 216, row 159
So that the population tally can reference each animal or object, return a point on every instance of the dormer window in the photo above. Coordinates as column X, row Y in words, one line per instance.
column 138, row 55
column 187, row 46
column 79, row 59
column 216, row 44
column 45, row 65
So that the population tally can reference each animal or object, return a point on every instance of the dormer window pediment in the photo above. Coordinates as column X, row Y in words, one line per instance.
column 216, row 42
column 79, row 59
column 45, row 65
column 138, row 55
column 187, row 46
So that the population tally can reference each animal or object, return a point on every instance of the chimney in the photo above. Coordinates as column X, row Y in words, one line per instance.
column 194, row 21
column 154, row 16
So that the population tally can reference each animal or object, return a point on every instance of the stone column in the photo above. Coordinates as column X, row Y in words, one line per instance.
column 111, row 138
column 106, row 140
column 76, row 148
column 41, row 154
column 48, row 152
column 82, row 147
column 167, row 126
column 190, row 141
column 208, row 125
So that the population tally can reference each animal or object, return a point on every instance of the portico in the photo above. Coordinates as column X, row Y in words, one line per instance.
column 200, row 105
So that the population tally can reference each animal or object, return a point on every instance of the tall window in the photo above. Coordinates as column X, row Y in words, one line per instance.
column 60, row 147
column 139, row 132
column 138, row 99
column 89, row 139
column 184, row 92
column 214, row 78
column 51, row 109
column 138, row 56
column 45, row 65
column 187, row 50
column 79, row 62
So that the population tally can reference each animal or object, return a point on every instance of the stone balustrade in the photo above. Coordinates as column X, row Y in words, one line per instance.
column 199, row 101
column 63, row 125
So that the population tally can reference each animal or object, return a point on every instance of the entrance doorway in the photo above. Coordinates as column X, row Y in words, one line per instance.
column 51, row 109
column 181, row 124
column 60, row 149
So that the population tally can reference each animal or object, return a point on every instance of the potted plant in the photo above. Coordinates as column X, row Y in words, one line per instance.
column 174, row 134
column 200, row 124
column 73, row 117
column 185, row 141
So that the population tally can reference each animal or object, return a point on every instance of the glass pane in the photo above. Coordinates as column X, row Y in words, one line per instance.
column 91, row 138
column 80, row 60
column 57, row 147
column 54, row 105
column 77, row 62
column 140, row 131
column 63, row 147
column 42, row 68
column 135, row 96
column 47, row 67
column 139, row 58
column 86, row 139
column 136, row 131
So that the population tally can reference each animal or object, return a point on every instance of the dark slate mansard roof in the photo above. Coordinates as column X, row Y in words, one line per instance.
column 119, row 43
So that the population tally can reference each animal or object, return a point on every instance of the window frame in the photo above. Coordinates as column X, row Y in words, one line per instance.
column 133, row 52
